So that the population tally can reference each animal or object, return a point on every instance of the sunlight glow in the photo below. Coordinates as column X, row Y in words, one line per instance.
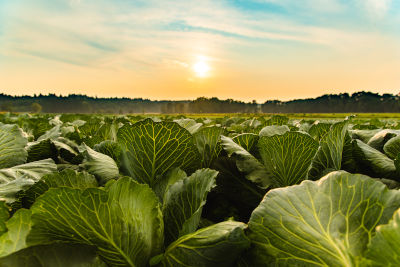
column 201, row 68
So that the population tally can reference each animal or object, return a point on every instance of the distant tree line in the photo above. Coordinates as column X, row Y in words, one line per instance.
column 360, row 102
column 332, row 103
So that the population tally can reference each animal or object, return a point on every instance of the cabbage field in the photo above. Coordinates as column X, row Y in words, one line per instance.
column 93, row 190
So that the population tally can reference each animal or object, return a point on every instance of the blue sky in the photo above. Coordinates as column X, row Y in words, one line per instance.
column 258, row 49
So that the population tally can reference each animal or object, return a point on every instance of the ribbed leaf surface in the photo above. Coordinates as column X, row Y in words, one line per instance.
column 151, row 148
column 112, row 221
column 324, row 223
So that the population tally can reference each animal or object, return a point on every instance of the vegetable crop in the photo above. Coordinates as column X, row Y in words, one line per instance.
column 92, row 190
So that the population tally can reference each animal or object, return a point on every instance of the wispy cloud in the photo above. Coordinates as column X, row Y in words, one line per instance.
column 147, row 39
column 101, row 28
column 326, row 6
column 377, row 8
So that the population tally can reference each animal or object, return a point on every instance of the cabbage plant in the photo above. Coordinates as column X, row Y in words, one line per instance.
column 94, row 190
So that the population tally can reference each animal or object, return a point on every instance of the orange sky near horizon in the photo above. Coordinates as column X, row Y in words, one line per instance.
column 228, row 54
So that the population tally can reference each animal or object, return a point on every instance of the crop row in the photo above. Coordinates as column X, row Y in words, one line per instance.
column 80, row 190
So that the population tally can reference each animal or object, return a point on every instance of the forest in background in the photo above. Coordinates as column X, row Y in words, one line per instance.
column 359, row 102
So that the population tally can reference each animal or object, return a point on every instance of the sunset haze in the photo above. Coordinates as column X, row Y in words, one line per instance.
column 258, row 49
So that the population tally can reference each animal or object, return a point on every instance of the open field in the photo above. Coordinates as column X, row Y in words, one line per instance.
column 293, row 115
column 175, row 190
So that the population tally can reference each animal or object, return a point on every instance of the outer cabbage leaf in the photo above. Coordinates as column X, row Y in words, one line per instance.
column 247, row 140
column 76, row 123
column 41, row 150
column 274, row 130
column 397, row 165
column 255, row 171
column 167, row 181
column 207, row 141
column 67, row 177
column 56, row 120
column 53, row 133
column 323, row 223
column 319, row 130
column 217, row 245
column 329, row 154
column 12, row 146
column 349, row 162
column 151, row 148
column 189, row 124
column 70, row 132
column 277, row 120
column 35, row 126
column 364, row 135
column 251, row 123
column 184, row 203
column 55, row 255
column 288, row 157
column 234, row 196
column 67, row 149
column 303, row 125
column 391, row 184
column 373, row 162
column 392, row 147
column 18, row 227
column 379, row 139
column 21, row 177
column 111, row 149
column 124, row 223
column 4, row 214
column 96, row 131
column 384, row 248
column 98, row 164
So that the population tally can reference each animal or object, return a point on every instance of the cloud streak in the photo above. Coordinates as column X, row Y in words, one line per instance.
column 144, row 40
column 116, row 27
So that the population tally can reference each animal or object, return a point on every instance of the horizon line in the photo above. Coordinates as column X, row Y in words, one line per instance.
column 184, row 100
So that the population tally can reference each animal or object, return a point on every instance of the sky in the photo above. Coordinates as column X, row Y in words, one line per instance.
column 172, row 49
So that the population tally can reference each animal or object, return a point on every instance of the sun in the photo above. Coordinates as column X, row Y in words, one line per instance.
column 201, row 68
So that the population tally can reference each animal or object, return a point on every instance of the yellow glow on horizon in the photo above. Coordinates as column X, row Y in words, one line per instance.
column 201, row 68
